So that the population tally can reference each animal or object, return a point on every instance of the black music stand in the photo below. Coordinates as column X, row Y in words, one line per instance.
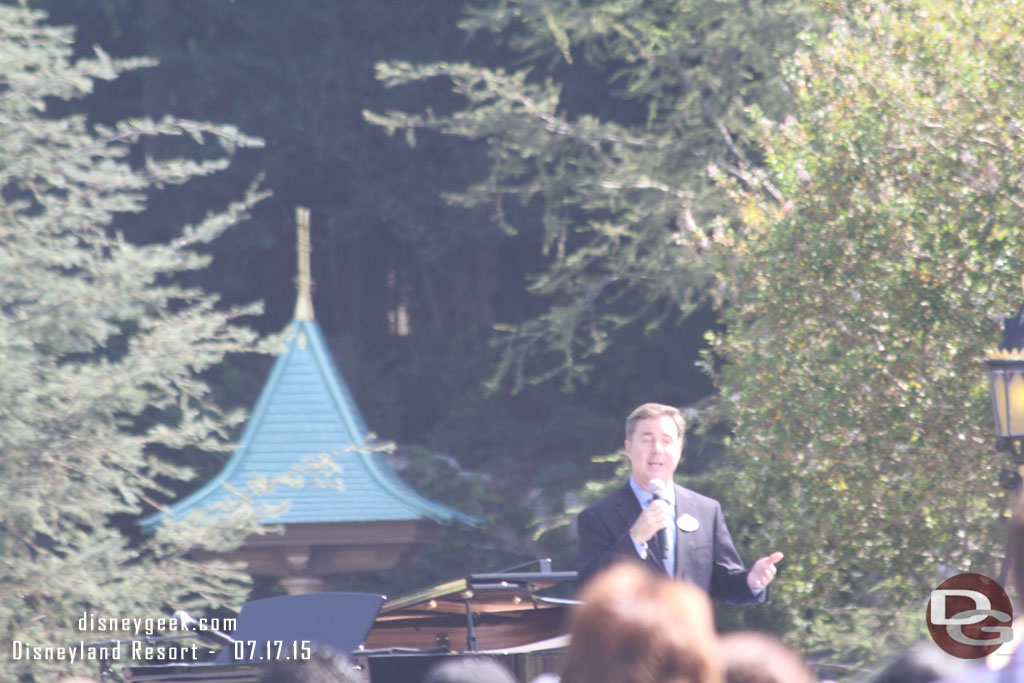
column 338, row 620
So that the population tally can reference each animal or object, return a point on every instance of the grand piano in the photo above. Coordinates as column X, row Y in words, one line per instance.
column 505, row 615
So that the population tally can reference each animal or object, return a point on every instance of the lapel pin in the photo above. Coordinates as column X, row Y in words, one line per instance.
column 687, row 522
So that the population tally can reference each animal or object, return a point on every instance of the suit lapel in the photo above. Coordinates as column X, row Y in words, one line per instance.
column 684, row 505
column 627, row 506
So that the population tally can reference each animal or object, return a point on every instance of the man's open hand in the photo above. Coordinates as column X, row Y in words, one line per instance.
column 763, row 571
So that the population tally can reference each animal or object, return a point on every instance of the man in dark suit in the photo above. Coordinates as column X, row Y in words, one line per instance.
column 625, row 523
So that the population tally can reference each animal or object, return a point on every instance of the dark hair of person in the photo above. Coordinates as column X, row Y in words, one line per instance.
column 921, row 663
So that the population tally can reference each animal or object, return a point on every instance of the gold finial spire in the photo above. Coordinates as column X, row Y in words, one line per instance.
column 303, row 280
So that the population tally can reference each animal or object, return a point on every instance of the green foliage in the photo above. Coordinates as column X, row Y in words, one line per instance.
column 859, row 308
column 103, row 354
column 602, row 137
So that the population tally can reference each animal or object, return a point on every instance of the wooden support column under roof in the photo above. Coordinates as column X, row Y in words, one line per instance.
column 352, row 512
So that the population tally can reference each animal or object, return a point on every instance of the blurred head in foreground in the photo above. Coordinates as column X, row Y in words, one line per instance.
column 751, row 657
column 325, row 665
column 634, row 627
column 922, row 663
column 469, row 670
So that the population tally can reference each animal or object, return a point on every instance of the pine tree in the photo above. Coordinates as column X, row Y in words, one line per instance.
column 600, row 138
column 102, row 351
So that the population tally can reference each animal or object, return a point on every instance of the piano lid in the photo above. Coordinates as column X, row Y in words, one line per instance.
column 507, row 610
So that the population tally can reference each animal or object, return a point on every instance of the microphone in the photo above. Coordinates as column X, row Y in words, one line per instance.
column 190, row 623
column 657, row 487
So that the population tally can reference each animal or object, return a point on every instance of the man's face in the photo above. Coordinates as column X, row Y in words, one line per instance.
column 654, row 450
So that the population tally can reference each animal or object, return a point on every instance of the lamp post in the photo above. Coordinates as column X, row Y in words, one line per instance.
column 1006, row 382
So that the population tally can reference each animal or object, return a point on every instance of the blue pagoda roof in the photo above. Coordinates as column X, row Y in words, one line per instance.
column 304, row 413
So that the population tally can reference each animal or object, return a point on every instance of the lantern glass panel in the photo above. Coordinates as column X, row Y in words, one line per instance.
column 997, row 382
column 1007, row 383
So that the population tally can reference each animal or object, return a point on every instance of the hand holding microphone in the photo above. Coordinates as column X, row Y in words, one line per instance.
column 658, row 490
column 656, row 518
